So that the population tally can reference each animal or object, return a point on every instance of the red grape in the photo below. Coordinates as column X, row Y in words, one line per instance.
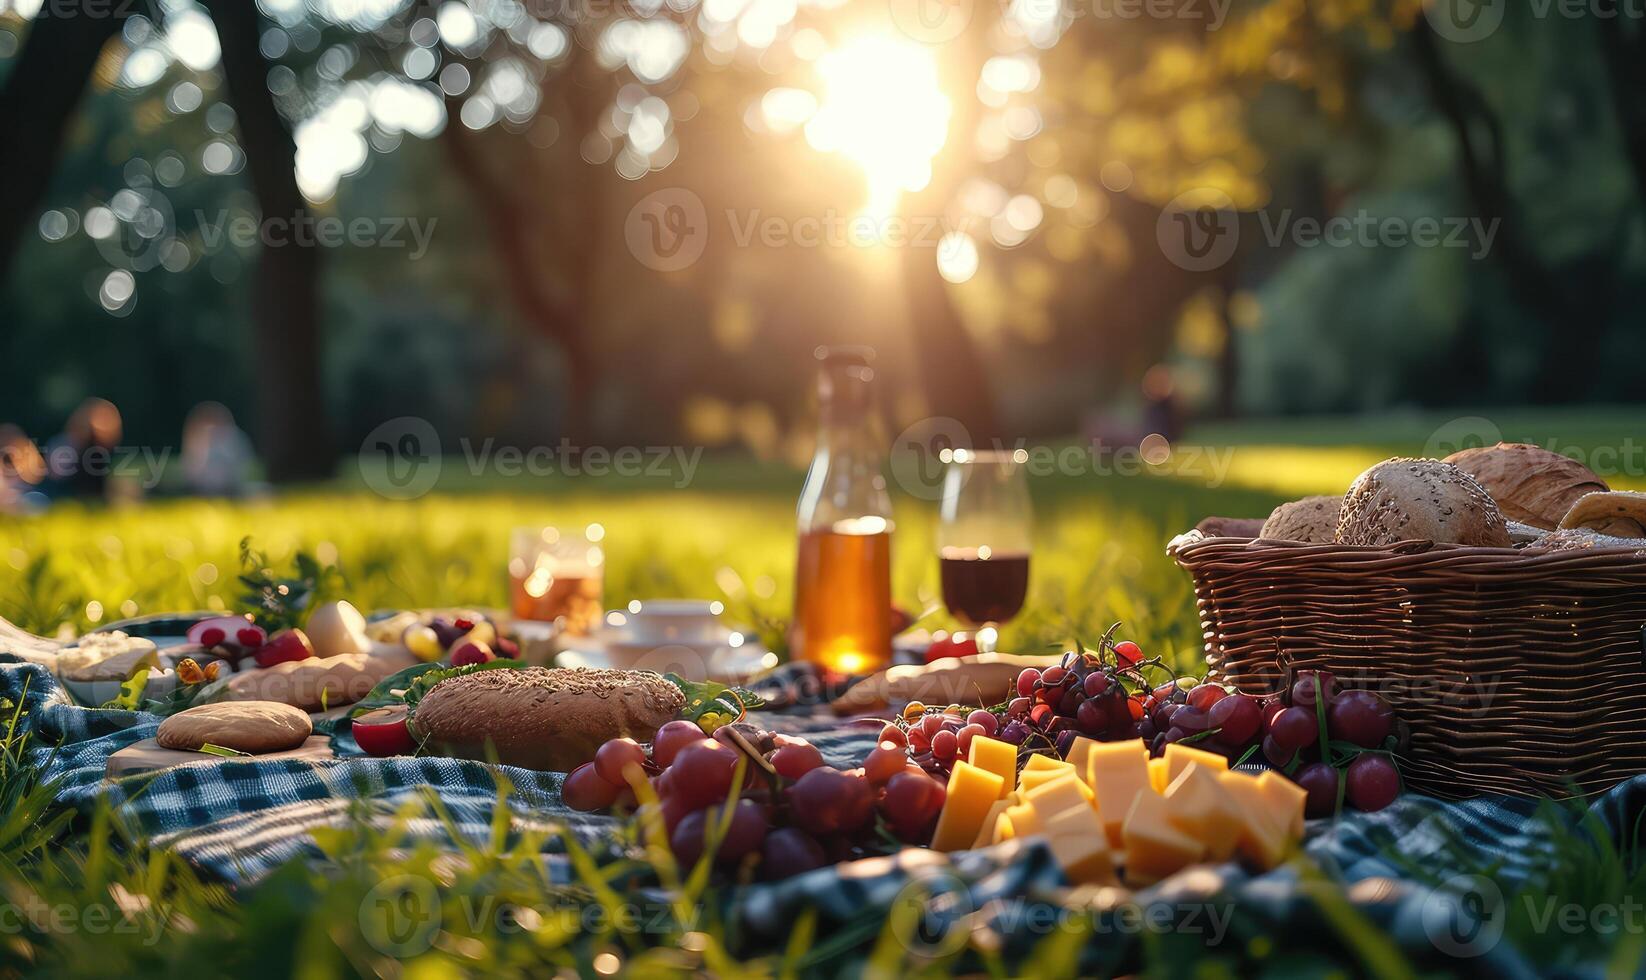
column 1041, row 714
column 795, row 760
column 1294, row 729
column 986, row 718
column 1018, row 707
column 1373, row 782
column 1321, row 782
column 1092, row 718
column 827, row 800
column 585, row 790
column 787, row 852
column 613, row 759
column 1360, row 717
column 1191, row 719
column 1309, row 684
column 945, row 745
column 744, row 835
column 1052, row 676
column 892, row 733
column 883, row 762
column 703, row 771
column 1277, row 755
column 1203, row 696
column 1065, row 742
column 1127, row 653
column 1239, row 717
column 1095, row 683
column 931, row 725
column 671, row 738
column 912, row 803
column 963, row 738
column 1014, row 732
column 918, row 741
column 1026, row 681
column 1271, row 707
column 1071, row 700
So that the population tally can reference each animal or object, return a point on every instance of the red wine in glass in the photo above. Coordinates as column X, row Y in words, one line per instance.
column 980, row 586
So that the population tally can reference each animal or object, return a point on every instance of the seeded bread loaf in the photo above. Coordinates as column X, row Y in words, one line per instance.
column 552, row 719
column 1312, row 519
column 1412, row 499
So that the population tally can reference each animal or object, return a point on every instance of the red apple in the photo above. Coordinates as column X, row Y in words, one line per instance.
column 292, row 644
column 383, row 732
column 471, row 652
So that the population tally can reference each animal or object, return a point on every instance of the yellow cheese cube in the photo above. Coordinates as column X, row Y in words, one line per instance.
column 972, row 792
column 1264, row 838
column 1080, row 754
column 1065, row 793
column 1081, row 847
column 1003, row 829
column 985, row 833
column 1198, row 805
column 1025, row 822
column 1178, row 757
column 997, row 757
column 1155, row 848
column 1117, row 772
column 1287, row 797
column 1043, row 762
column 1157, row 775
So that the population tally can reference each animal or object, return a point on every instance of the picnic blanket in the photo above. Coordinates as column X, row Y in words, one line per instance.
column 1411, row 868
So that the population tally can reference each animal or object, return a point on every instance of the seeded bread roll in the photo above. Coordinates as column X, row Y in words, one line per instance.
column 1413, row 499
column 552, row 719
column 1311, row 519
column 1531, row 484
column 245, row 726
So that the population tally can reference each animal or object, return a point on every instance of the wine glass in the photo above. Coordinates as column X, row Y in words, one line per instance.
column 983, row 537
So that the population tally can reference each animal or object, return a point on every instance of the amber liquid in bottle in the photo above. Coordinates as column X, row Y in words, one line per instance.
column 843, row 619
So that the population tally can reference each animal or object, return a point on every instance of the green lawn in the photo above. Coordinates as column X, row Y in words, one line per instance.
column 1099, row 557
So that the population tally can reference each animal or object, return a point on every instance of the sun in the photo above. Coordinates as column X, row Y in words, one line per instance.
column 884, row 109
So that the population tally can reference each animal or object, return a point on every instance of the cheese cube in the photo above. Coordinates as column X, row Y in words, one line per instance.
column 1043, row 762
column 972, row 792
column 1003, row 829
column 1065, row 793
column 997, row 757
column 1080, row 754
column 1081, row 847
column 1198, row 805
column 1157, row 775
column 1178, row 757
column 1288, row 798
column 1025, row 822
column 1264, row 838
column 1117, row 772
column 1155, row 848
column 985, row 834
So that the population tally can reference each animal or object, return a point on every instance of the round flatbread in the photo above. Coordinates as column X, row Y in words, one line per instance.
column 1619, row 513
column 552, row 719
column 245, row 726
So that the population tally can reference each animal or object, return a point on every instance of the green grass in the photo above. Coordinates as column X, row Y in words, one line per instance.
column 1099, row 557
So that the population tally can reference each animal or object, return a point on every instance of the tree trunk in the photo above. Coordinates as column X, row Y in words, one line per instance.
column 1623, row 46
column 42, row 91
column 286, row 311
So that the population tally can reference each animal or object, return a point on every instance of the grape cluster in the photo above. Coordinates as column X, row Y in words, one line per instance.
column 1332, row 742
column 792, row 811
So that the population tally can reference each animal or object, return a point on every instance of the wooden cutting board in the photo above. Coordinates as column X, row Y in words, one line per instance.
column 149, row 756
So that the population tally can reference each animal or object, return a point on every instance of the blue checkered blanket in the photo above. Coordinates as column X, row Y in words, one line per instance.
column 1411, row 869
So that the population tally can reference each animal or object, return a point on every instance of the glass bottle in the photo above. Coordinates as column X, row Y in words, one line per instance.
column 843, row 581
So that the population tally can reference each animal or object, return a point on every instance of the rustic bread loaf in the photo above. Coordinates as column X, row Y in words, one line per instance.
column 245, row 726
column 1617, row 513
column 1310, row 519
column 316, row 683
column 1412, row 499
column 551, row 719
column 1531, row 484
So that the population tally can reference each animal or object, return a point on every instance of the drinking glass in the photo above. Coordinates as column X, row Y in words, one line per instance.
column 983, row 537
column 557, row 576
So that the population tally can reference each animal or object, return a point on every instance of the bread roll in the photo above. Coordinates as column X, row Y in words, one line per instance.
column 1417, row 499
column 1530, row 484
column 1310, row 519
column 552, row 719
column 316, row 683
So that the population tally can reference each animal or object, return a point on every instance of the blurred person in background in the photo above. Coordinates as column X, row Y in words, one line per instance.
column 81, row 458
column 217, row 455
column 21, row 470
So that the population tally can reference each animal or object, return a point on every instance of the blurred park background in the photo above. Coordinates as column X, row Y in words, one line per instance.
column 324, row 214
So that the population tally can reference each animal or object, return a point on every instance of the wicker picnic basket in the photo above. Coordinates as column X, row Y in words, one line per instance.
column 1518, row 672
